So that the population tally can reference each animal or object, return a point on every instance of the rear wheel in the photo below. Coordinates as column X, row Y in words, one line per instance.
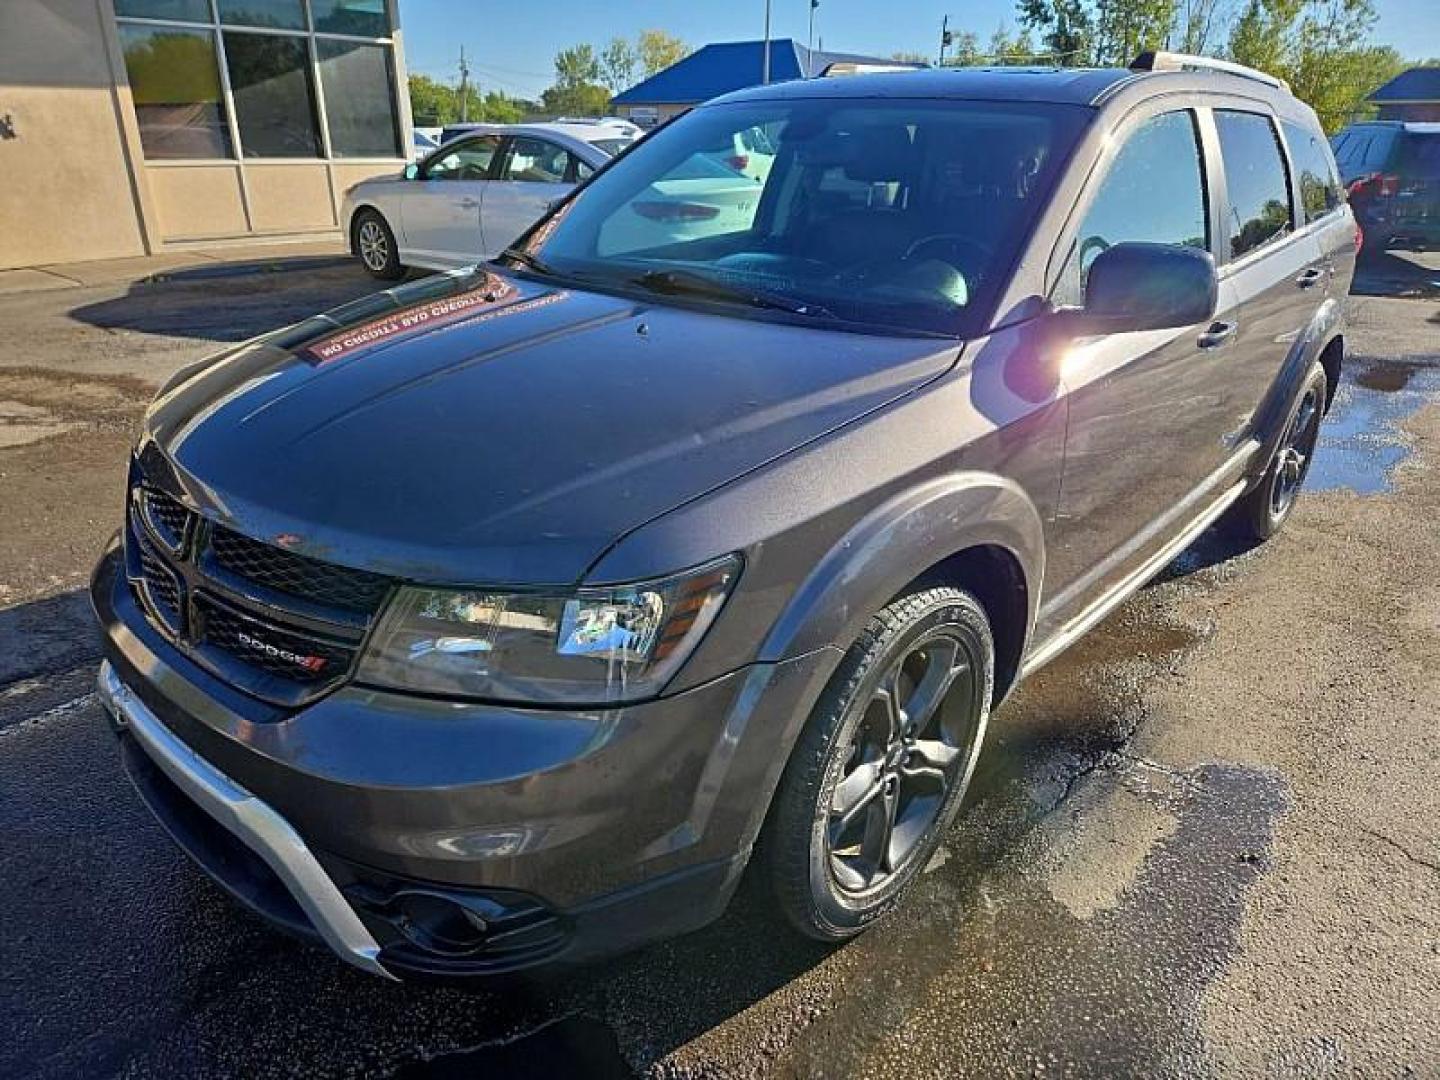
column 880, row 770
column 375, row 246
column 1261, row 513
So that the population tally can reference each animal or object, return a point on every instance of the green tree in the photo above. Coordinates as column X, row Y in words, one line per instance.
column 575, row 99
column 1321, row 47
column 577, row 64
column 1066, row 28
column 1006, row 50
column 432, row 103
column 617, row 65
column 658, row 50
column 904, row 57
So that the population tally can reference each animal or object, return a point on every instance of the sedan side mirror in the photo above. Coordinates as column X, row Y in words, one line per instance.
column 411, row 172
column 1136, row 286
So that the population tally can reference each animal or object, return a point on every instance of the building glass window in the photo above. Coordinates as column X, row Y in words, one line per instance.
column 183, row 95
column 360, row 18
column 175, row 84
column 274, row 102
column 272, row 14
column 359, row 86
column 179, row 10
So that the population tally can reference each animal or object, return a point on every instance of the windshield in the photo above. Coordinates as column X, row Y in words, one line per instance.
column 900, row 215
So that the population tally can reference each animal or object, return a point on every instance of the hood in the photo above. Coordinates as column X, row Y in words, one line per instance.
column 488, row 429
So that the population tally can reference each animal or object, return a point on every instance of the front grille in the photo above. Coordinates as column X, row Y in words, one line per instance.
column 280, row 626
column 299, row 658
column 297, row 575
column 166, row 516
column 162, row 589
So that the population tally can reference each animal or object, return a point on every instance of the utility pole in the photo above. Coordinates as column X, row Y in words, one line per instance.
column 765, row 61
column 810, row 41
column 464, row 87
column 944, row 39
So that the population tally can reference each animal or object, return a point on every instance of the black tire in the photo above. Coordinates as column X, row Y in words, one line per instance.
column 374, row 245
column 824, row 880
column 1262, row 511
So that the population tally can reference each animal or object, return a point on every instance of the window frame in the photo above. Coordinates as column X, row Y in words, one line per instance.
column 501, row 165
column 1227, row 229
column 453, row 145
column 1298, row 214
column 216, row 28
column 1116, row 137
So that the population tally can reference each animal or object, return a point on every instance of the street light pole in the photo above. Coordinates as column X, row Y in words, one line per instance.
column 765, row 60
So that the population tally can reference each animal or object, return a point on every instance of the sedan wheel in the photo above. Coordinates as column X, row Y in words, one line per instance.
column 374, row 243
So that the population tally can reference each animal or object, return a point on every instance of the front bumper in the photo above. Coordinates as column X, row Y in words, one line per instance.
column 251, row 821
column 570, row 835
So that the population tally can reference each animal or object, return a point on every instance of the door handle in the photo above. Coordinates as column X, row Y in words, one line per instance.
column 1217, row 334
column 1310, row 278
column 468, row 203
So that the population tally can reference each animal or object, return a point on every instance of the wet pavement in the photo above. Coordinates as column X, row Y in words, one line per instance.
column 1203, row 840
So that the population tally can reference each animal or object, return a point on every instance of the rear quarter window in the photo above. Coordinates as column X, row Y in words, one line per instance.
column 1319, row 184
column 1255, row 180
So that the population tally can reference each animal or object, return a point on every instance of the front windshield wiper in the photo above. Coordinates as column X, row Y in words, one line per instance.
column 530, row 262
column 690, row 283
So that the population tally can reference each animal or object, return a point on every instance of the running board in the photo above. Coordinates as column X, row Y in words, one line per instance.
column 1122, row 591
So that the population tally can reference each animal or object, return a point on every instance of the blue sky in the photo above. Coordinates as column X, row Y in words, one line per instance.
column 512, row 46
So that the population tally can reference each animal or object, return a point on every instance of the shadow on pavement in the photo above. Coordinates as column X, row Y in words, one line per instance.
column 229, row 309
column 1396, row 274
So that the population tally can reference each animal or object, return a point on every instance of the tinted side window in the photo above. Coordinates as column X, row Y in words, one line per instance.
column 1154, row 191
column 1320, row 190
column 468, row 160
column 1255, row 180
column 536, row 161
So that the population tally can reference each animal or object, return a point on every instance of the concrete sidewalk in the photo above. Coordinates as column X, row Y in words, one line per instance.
column 198, row 263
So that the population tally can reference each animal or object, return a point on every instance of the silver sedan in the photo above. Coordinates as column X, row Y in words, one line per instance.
column 471, row 198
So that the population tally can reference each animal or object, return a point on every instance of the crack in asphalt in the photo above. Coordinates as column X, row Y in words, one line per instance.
column 1402, row 849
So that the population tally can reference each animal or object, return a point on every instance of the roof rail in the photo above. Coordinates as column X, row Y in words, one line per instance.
column 1155, row 60
column 860, row 67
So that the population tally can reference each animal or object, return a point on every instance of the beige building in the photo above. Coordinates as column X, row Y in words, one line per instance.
column 130, row 127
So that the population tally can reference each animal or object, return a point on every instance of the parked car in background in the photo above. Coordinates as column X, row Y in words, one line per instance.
column 1391, row 170
column 468, row 200
column 501, row 619
column 422, row 145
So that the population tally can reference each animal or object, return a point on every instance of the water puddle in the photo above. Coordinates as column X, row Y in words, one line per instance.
column 1362, row 442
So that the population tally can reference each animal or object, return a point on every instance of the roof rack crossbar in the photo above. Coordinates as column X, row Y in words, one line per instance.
column 1157, row 60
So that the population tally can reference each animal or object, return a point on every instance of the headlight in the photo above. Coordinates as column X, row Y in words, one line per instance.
column 590, row 646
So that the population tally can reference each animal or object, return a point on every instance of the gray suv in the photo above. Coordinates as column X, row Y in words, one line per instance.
column 504, row 618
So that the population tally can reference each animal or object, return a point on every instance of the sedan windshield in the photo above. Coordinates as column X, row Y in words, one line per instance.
column 894, row 215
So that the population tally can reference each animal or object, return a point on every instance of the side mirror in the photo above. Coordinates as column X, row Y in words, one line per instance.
column 1136, row 286
column 411, row 172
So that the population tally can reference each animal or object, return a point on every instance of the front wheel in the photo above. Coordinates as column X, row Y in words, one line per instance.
column 879, row 772
column 1262, row 511
column 375, row 245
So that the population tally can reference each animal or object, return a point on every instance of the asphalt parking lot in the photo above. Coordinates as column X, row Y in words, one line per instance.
column 1206, row 840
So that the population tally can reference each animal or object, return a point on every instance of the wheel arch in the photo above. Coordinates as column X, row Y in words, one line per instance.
column 977, row 531
column 354, row 221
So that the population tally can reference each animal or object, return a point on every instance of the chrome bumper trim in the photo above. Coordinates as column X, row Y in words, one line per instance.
column 254, row 822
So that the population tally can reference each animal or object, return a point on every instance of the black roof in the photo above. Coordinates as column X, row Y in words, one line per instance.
column 1079, row 86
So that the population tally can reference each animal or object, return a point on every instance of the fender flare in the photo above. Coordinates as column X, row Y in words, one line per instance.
column 897, row 542
column 1275, row 410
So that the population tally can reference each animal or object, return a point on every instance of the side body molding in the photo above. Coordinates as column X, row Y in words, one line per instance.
column 898, row 541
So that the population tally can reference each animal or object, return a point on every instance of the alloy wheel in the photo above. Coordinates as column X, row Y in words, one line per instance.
column 1292, row 461
column 912, row 745
column 373, row 244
